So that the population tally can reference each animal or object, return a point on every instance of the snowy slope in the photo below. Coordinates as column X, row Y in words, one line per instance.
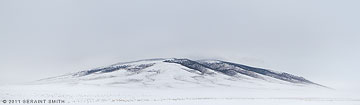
column 178, row 81
column 175, row 72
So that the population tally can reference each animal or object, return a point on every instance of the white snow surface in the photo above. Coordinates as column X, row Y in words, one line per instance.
column 172, row 84
column 113, row 95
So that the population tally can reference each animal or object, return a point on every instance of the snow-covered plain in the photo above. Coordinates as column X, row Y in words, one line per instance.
column 107, row 95
column 185, row 82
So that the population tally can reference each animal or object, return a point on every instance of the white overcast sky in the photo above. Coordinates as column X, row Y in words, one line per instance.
column 317, row 39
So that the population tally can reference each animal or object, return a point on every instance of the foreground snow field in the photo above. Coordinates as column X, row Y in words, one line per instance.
column 105, row 95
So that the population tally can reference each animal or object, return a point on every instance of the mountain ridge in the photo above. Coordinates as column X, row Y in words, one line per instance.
column 197, row 71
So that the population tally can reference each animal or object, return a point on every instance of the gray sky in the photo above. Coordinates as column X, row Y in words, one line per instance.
column 317, row 39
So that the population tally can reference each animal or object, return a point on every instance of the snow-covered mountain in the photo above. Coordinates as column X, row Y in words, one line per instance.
column 175, row 72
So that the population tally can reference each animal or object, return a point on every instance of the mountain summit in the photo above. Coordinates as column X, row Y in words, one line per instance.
column 174, row 72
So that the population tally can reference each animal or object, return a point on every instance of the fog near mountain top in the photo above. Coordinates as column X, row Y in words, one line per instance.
column 315, row 39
